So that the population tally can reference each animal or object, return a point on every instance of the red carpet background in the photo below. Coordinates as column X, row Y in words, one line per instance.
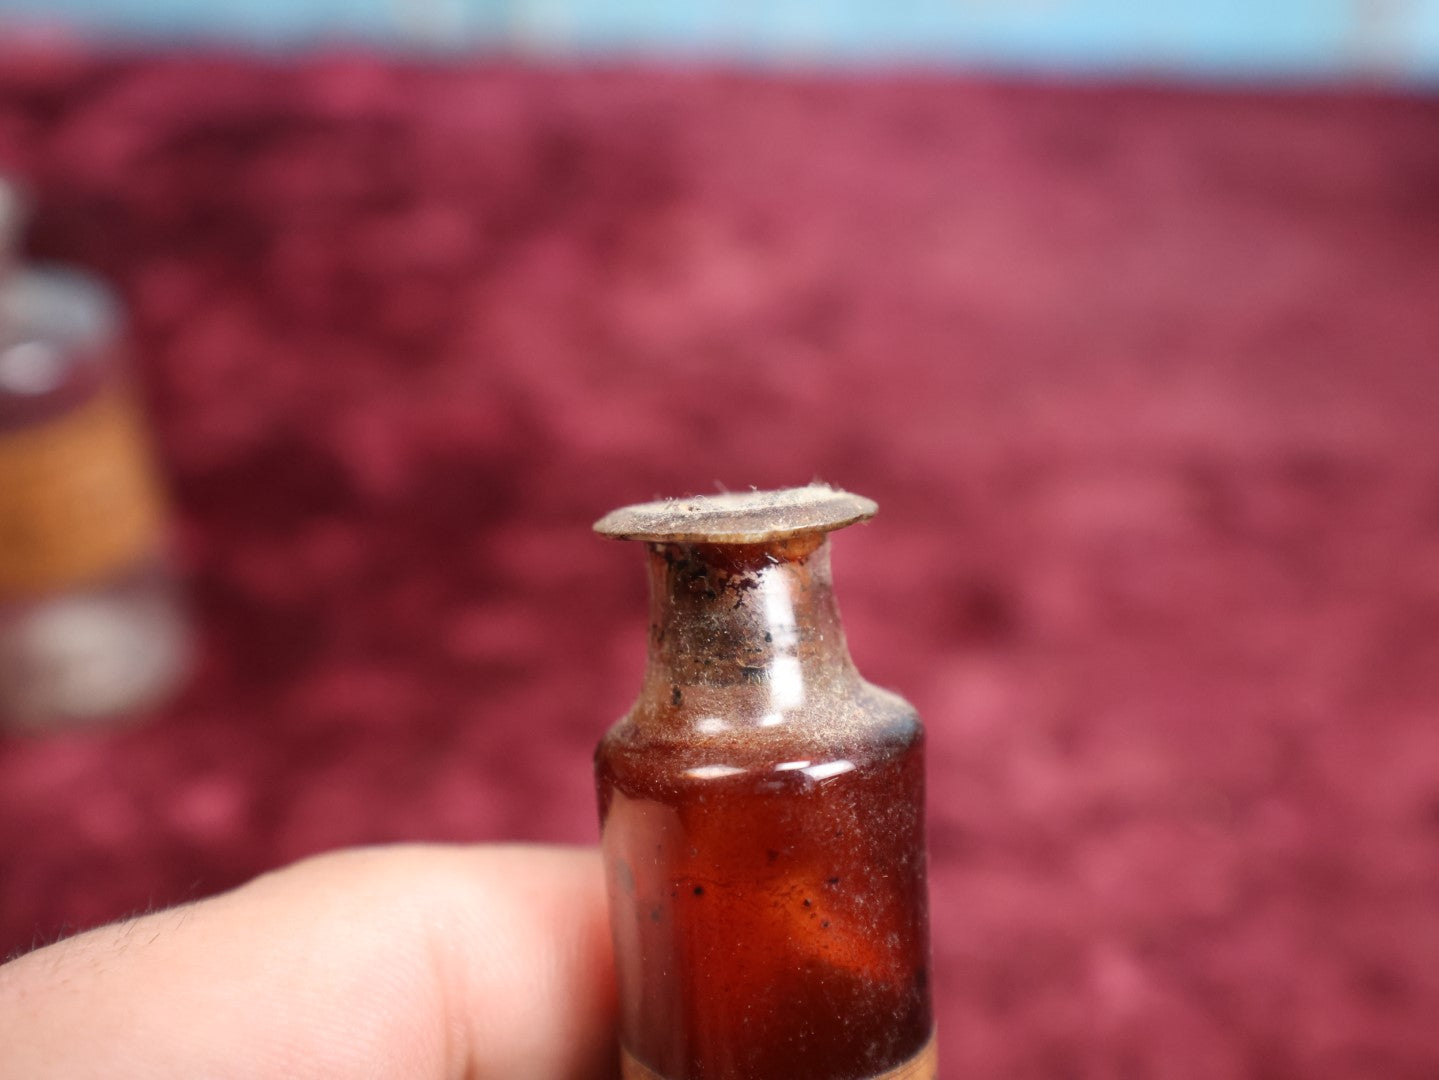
column 1144, row 382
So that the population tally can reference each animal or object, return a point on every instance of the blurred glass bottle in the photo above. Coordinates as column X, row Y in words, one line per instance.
column 91, row 625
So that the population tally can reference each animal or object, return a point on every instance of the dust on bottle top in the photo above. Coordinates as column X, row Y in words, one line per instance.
column 738, row 517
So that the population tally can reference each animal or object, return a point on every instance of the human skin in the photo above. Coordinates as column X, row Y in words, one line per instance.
column 421, row 962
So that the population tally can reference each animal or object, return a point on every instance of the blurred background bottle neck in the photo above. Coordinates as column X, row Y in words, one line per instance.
column 12, row 220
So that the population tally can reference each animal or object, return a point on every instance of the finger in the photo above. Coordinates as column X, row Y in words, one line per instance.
column 415, row 962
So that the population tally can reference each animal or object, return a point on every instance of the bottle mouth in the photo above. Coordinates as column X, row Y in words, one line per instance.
column 739, row 517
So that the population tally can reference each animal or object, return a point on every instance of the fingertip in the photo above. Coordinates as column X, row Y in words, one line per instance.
column 415, row 962
column 526, row 963
column 515, row 939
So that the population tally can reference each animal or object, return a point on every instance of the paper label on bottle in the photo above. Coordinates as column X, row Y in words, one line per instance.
column 923, row 1066
column 79, row 498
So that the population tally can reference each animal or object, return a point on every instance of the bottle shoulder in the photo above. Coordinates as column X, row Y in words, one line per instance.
column 59, row 305
column 864, row 724
column 58, row 345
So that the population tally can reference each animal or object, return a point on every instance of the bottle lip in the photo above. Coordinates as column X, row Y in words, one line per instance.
column 738, row 517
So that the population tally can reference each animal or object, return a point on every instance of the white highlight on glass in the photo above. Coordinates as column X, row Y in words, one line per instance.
column 786, row 680
column 829, row 769
column 713, row 772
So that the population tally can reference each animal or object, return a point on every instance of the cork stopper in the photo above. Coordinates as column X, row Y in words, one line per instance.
column 740, row 517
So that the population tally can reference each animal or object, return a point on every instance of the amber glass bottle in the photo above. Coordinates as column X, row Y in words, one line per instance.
column 762, row 812
column 92, row 627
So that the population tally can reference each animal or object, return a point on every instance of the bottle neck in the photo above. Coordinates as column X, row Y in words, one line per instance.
column 756, row 617
column 11, row 216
